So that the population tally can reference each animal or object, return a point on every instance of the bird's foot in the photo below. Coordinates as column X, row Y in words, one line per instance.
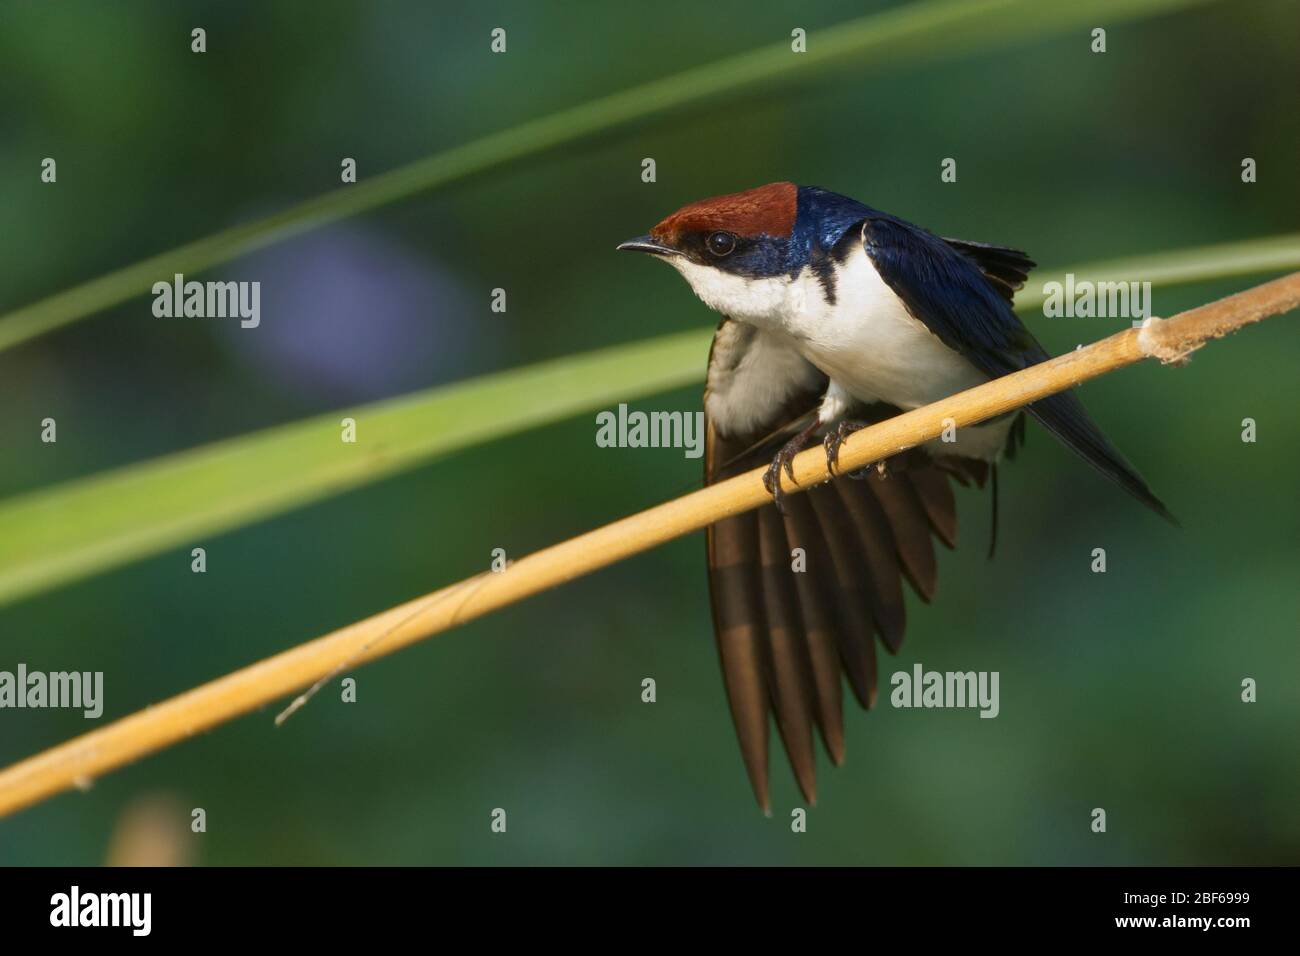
column 784, row 461
column 835, row 438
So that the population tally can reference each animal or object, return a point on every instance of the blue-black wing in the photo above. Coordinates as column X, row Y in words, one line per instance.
column 959, row 290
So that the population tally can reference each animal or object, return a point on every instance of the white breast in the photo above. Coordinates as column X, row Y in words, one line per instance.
column 869, row 343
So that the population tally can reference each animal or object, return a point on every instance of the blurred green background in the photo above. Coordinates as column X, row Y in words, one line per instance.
column 1119, row 690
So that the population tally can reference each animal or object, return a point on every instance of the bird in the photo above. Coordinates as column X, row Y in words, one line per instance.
column 836, row 315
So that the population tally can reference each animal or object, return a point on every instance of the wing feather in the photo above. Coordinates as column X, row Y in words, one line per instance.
column 738, row 623
column 906, row 517
column 787, row 638
column 958, row 289
column 932, row 488
column 1008, row 269
column 876, row 542
column 790, row 673
column 816, row 600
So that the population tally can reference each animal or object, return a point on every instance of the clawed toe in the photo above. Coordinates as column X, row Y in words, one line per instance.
column 835, row 438
column 784, row 461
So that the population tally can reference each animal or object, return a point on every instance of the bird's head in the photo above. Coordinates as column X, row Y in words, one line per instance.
column 734, row 250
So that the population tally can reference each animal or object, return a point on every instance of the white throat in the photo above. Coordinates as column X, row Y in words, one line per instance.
column 762, row 301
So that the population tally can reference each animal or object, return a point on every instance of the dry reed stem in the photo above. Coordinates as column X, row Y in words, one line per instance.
column 78, row 761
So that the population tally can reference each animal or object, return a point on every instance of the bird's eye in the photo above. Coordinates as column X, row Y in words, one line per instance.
column 721, row 243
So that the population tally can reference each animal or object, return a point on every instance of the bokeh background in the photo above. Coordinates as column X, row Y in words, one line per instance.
column 1119, row 690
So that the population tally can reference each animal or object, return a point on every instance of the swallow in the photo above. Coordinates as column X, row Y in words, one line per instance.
column 836, row 315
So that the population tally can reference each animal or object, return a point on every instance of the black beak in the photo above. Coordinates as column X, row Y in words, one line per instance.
column 647, row 244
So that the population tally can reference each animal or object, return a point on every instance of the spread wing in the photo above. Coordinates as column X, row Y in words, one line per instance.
column 962, row 292
column 785, row 636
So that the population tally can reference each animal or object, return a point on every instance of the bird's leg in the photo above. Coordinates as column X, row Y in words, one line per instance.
column 784, row 460
column 835, row 438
